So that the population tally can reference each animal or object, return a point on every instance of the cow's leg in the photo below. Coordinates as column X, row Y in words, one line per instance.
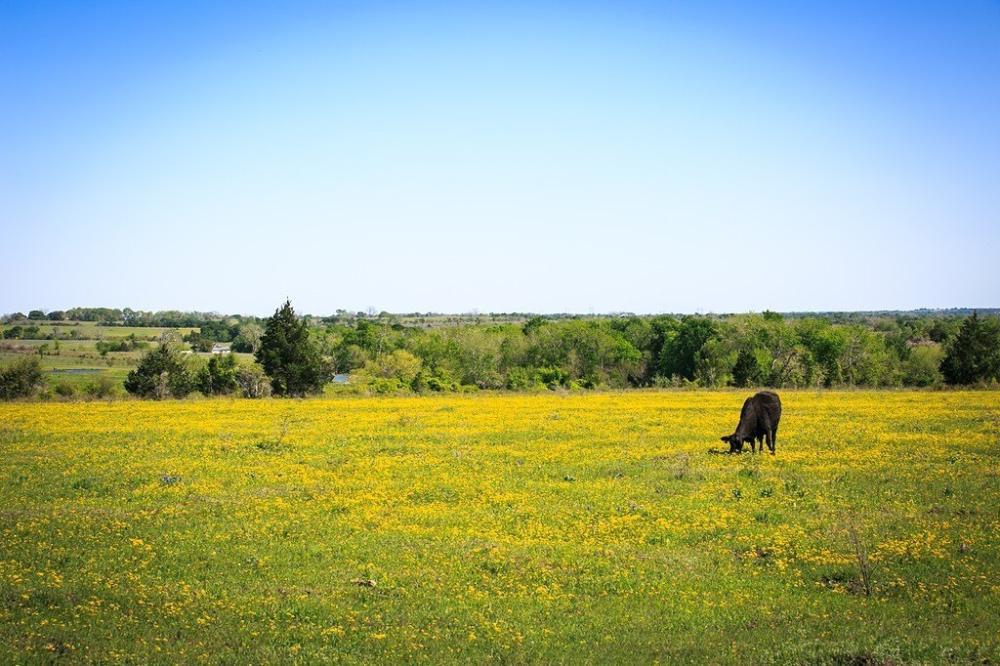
column 774, row 435
column 753, row 445
column 768, row 436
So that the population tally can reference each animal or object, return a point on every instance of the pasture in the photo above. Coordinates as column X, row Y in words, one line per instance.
column 568, row 528
column 69, row 355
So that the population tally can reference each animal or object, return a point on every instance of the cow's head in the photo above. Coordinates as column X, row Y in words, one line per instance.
column 735, row 443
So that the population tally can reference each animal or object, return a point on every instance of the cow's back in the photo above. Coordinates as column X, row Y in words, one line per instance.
column 768, row 403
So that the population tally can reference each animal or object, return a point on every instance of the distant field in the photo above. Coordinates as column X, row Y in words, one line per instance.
column 64, row 358
column 92, row 331
column 583, row 528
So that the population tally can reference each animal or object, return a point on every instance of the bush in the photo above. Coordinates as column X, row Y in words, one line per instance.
column 439, row 381
column 552, row 377
column 522, row 379
column 921, row 368
column 101, row 388
column 161, row 374
column 400, row 365
column 21, row 379
column 198, row 342
column 253, row 381
column 385, row 385
column 64, row 390
column 219, row 376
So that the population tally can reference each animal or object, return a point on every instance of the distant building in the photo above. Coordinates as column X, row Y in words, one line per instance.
column 220, row 348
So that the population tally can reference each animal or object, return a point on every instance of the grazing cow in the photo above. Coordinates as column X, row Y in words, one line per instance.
column 758, row 423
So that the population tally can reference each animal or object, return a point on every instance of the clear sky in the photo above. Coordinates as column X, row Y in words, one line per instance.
column 537, row 156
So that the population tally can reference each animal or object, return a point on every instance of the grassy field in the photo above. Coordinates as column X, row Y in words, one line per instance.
column 88, row 330
column 581, row 528
column 75, row 361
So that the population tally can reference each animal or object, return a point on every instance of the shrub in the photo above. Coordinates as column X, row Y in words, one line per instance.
column 552, row 377
column 385, row 385
column 427, row 380
column 198, row 342
column 101, row 388
column 400, row 365
column 64, row 390
column 161, row 374
column 921, row 368
column 253, row 381
column 218, row 377
column 522, row 379
column 21, row 379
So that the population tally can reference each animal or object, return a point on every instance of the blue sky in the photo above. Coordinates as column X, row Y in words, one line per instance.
column 625, row 156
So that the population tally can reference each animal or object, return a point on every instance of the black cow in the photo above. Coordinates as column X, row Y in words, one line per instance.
column 758, row 423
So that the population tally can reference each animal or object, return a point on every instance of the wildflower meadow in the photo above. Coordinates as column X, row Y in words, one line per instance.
column 567, row 528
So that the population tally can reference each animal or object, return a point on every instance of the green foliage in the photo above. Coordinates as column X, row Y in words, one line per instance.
column 400, row 365
column 198, row 342
column 552, row 377
column 532, row 325
column 253, row 381
column 714, row 362
column 922, row 366
column 218, row 330
column 434, row 381
column 101, row 388
column 560, row 351
column 679, row 355
column 162, row 373
column 974, row 354
column 126, row 344
column 247, row 340
column 747, row 371
column 522, row 379
column 349, row 357
column 21, row 379
column 218, row 376
column 289, row 356
column 18, row 332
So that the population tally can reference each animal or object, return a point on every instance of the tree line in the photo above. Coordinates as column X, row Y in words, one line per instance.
column 382, row 355
column 295, row 356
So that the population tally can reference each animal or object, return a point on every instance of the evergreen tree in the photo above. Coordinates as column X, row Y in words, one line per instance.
column 747, row 371
column 289, row 356
column 974, row 354
column 161, row 374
